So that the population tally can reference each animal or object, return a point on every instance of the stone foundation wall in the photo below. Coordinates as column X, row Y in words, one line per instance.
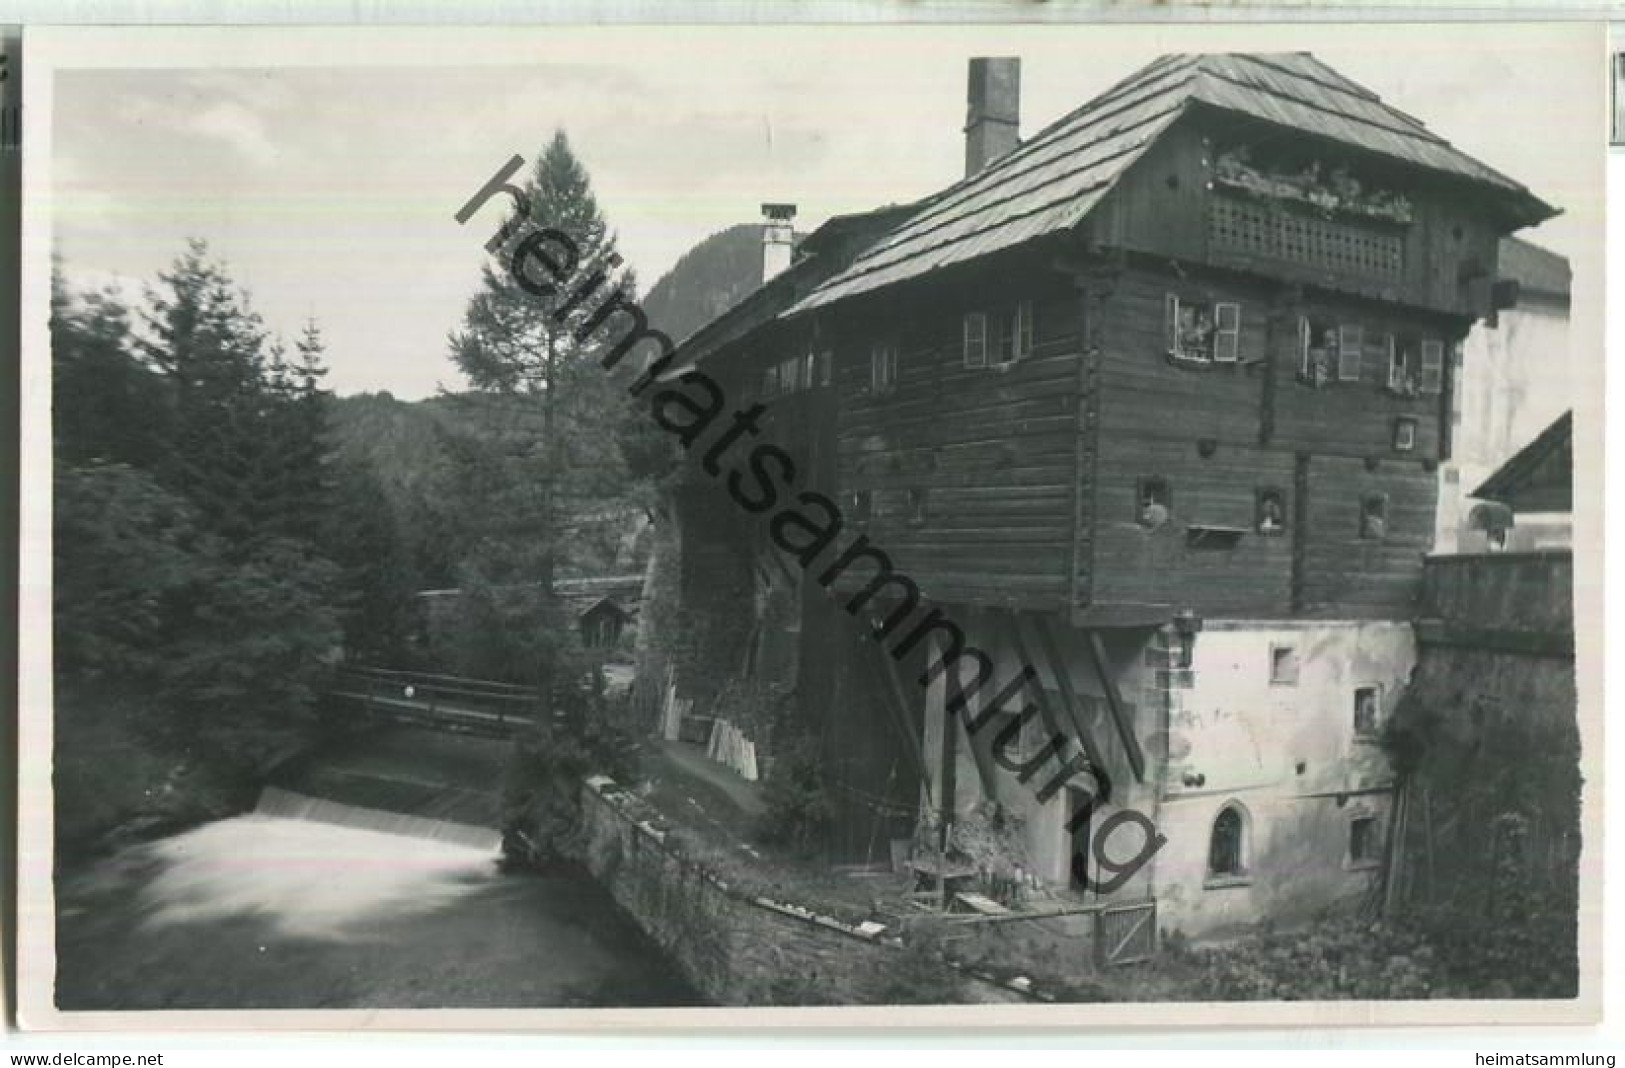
column 739, row 949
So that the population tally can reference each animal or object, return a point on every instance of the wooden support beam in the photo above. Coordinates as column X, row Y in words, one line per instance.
column 981, row 743
column 1114, row 703
column 948, row 775
column 1063, row 683
column 892, row 696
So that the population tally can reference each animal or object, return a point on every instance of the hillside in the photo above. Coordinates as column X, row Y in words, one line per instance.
column 711, row 277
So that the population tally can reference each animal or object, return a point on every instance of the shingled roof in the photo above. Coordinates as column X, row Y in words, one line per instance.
column 1540, row 476
column 1055, row 179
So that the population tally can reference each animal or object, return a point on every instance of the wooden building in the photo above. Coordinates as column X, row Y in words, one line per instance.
column 1151, row 404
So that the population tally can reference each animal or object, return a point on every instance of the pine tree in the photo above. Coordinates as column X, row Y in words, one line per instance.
column 211, row 349
column 555, row 441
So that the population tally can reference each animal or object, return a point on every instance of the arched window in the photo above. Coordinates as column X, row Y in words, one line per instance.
column 1226, row 855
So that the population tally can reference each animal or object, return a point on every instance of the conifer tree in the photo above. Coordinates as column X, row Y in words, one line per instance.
column 555, row 439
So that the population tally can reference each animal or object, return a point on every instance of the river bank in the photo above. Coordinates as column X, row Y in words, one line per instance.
column 119, row 778
column 263, row 912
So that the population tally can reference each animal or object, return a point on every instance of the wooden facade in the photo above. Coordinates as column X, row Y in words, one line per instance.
column 1168, row 359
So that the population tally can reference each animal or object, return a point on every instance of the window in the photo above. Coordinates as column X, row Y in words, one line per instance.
column 1270, row 515
column 1227, row 845
column 1152, row 503
column 861, row 505
column 1016, row 339
column 975, row 339
column 1283, row 665
column 1404, row 434
column 1367, row 710
column 1374, row 517
column 1401, row 370
column 1203, row 331
column 1350, row 347
column 883, row 367
column 1432, row 377
column 1317, row 347
column 1365, row 845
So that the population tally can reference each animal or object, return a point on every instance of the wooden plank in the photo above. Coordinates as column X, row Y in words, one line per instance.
column 896, row 702
column 1114, row 703
column 1063, row 684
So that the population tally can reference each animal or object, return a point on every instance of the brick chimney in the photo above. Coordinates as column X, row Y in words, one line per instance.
column 778, row 238
column 993, row 112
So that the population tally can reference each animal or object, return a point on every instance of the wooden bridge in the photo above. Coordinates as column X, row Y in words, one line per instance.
column 440, row 702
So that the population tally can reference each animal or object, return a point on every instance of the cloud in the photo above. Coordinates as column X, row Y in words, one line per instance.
column 239, row 129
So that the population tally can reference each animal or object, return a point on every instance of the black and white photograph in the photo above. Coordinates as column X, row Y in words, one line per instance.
column 1054, row 522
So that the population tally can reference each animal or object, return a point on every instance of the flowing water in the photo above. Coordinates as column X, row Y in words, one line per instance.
column 311, row 903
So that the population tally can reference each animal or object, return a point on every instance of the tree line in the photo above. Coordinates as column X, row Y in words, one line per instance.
column 209, row 553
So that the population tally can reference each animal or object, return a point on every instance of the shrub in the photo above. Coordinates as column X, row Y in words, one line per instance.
column 1334, row 959
column 541, row 801
column 800, row 810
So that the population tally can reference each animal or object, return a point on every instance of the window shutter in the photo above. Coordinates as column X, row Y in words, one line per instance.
column 1304, row 368
column 1432, row 366
column 809, row 370
column 1350, row 346
column 975, row 339
column 1171, row 313
column 1396, row 375
column 1024, row 329
column 788, row 375
column 1226, row 333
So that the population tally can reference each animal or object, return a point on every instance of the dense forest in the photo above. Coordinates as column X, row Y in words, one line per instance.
column 228, row 532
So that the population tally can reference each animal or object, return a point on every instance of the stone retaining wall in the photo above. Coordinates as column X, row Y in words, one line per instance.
column 741, row 949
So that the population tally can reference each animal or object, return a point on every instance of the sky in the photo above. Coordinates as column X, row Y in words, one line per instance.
column 326, row 174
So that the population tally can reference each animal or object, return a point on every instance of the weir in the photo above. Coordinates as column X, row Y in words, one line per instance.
column 398, row 780
column 285, row 804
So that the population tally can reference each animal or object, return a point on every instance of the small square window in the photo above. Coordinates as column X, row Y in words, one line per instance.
column 1270, row 515
column 1367, row 710
column 1374, row 517
column 1283, row 665
column 1405, row 434
column 1365, row 843
column 1153, row 503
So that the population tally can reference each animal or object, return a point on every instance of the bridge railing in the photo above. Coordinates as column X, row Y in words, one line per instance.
column 440, row 700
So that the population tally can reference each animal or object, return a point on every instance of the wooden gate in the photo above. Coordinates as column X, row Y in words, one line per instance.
column 1126, row 934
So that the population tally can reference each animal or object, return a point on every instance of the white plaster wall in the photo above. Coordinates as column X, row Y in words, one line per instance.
column 1289, row 755
column 1049, row 847
column 1513, row 382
